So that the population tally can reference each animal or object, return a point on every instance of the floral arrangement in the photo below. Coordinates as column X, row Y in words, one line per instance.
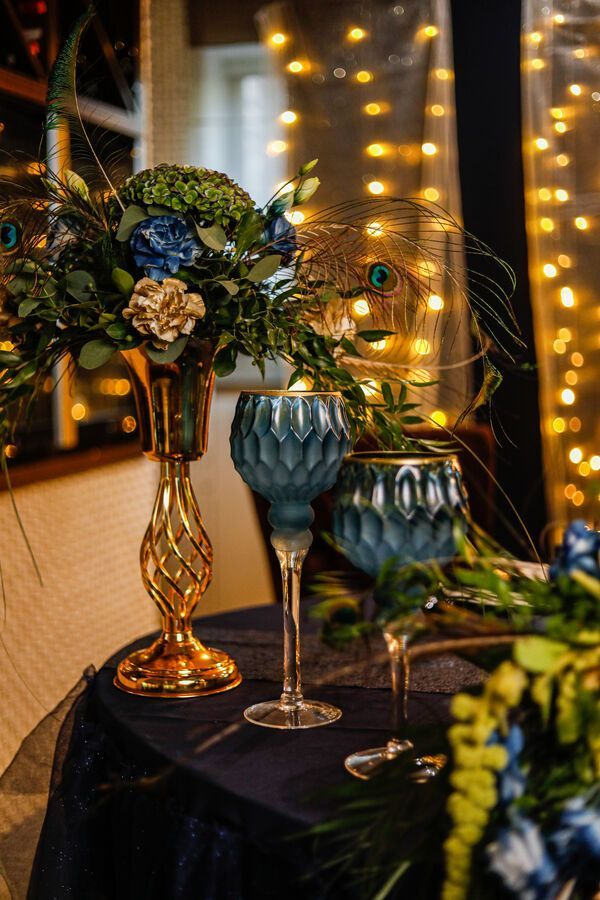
column 516, row 812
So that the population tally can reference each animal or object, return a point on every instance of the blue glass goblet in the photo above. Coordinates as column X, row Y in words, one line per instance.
column 288, row 446
column 404, row 507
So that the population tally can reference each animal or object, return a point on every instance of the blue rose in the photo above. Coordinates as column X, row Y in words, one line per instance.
column 520, row 858
column 281, row 237
column 162, row 245
column 580, row 551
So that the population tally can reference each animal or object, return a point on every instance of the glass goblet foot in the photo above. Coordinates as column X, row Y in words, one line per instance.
column 366, row 763
column 286, row 715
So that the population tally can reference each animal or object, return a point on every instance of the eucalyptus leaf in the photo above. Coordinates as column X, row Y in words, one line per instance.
column 154, row 210
column 249, row 231
column 24, row 374
column 80, row 284
column 225, row 361
column 374, row 334
column 230, row 286
column 95, row 353
column 172, row 352
column 123, row 281
column 213, row 237
column 264, row 268
column 130, row 219
column 118, row 331
column 9, row 360
column 27, row 306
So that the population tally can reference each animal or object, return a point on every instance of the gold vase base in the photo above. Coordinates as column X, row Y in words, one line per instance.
column 177, row 668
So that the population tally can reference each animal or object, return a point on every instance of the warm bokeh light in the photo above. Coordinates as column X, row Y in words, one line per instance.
column 295, row 216
column 437, row 110
column 559, row 346
column 442, row 74
column 576, row 455
column 375, row 150
column 295, row 67
column 429, row 149
column 541, row 143
column 575, row 89
column 431, row 193
column 582, row 223
column 564, row 260
column 431, row 31
column 373, row 109
column 364, row 76
column 558, row 425
column 357, row 34
column 278, row 39
column 546, row 224
column 374, row 229
column 595, row 463
column 435, row 302
column 544, row 194
column 577, row 359
column 439, row 417
column 276, row 147
column 562, row 159
column 378, row 345
column 361, row 307
column 422, row 346
column 560, row 127
column 549, row 270
column 128, row 424
column 376, row 187
column 567, row 298
column 561, row 195
column 567, row 396
column 78, row 411
column 288, row 117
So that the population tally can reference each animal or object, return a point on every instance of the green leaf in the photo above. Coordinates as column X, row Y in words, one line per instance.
column 9, row 360
column 24, row 374
column 118, row 331
column 123, row 281
column 538, row 654
column 388, row 397
column 230, row 286
column 130, row 219
column 374, row 334
column 307, row 167
column 80, row 284
column 249, row 231
column 27, row 306
column 306, row 190
column 154, row 210
column 76, row 183
column 95, row 353
column 172, row 352
column 225, row 361
column 20, row 284
column 264, row 268
column 214, row 237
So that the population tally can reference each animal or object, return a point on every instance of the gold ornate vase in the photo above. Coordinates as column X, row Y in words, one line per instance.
column 173, row 404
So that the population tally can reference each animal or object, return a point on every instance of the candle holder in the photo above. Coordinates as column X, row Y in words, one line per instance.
column 288, row 446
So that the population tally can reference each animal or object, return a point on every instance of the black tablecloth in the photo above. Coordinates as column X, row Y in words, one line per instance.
column 184, row 800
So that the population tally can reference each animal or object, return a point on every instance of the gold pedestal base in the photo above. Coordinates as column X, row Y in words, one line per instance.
column 179, row 668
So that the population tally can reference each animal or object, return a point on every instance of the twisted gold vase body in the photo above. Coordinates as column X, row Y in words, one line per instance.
column 173, row 404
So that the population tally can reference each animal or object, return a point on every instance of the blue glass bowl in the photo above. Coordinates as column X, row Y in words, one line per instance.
column 400, row 505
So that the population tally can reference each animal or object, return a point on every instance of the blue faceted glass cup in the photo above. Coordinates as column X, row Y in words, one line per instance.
column 403, row 507
column 288, row 446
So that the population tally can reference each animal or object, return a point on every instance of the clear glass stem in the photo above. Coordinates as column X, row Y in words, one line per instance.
column 291, row 569
column 400, row 670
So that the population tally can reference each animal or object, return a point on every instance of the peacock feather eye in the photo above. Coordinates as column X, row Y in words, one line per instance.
column 383, row 278
column 10, row 233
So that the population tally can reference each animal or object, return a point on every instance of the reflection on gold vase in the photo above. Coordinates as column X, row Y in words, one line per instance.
column 173, row 405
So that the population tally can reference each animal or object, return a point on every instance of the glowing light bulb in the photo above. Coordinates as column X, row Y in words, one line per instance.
column 361, row 307
column 595, row 463
column 575, row 89
column 437, row 109
column 422, row 346
column 429, row 149
column 558, row 425
column 288, row 117
column 376, row 187
column 544, row 194
column 560, row 127
column 276, row 147
column 373, row 109
column 435, row 302
column 549, row 270
column 295, row 67
column 562, row 159
column 439, row 417
column 431, row 31
column 582, row 223
column 541, row 143
column 364, row 76
column 567, row 396
column 278, row 39
column 294, row 216
column 535, row 37
column 357, row 34
column 431, row 193
column 546, row 224
column 567, row 298
column 576, row 455
column 375, row 150
column 374, row 229
column 557, row 113
column 561, row 195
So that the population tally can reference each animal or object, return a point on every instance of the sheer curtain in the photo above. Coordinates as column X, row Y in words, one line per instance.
column 561, row 110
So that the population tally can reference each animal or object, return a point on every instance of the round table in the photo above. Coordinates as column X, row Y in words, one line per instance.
column 181, row 799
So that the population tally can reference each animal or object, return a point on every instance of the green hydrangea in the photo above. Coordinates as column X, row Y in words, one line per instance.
column 209, row 196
